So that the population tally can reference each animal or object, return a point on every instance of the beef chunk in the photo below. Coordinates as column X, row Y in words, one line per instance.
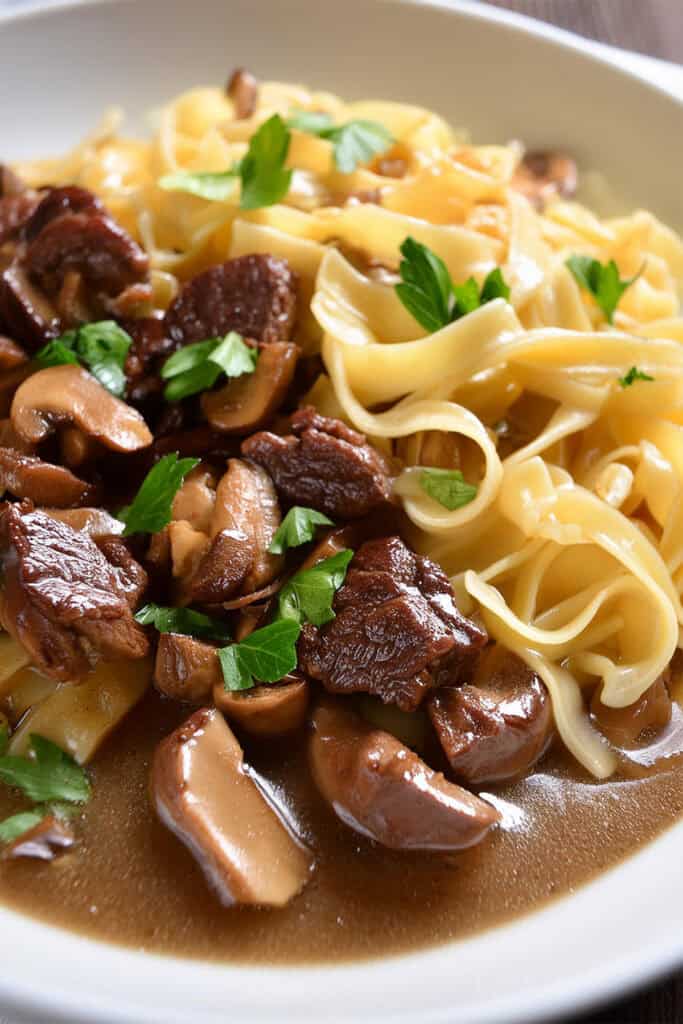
column 496, row 729
column 397, row 632
column 254, row 295
column 62, row 600
column 323, row 464
column 132, row 578
column 15, row 210
column 151, row 346
column 72, row 264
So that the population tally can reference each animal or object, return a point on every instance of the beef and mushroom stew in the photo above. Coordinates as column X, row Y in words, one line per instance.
column 341, row 540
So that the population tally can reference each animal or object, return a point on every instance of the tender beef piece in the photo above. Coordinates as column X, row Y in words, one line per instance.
column 26, row 476
column 205, row 794
column 92, row 245
column 15, row 211
column 61, row 598
column 253, row 295
column 96, row 522
column 397, row 632
column 380, row 788
column 242, row 89
column 496, row 729
column 151, row 346
column 58, row 201
column 49, row 839
column 132, row 578
column 323, row 464
column 186, row 669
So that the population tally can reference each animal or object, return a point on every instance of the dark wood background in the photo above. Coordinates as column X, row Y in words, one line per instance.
column 654, row 27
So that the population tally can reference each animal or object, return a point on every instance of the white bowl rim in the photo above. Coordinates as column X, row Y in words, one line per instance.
column 40, row 992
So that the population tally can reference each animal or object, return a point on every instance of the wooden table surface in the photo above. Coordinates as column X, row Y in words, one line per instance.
column 654, row 27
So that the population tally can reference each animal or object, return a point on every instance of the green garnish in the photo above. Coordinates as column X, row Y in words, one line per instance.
column 50, row 774
column 264, row 179
column 602, row 281
column 12, row 828
column 448, row 487
column 182, row 620
column 265, row 656
column 632, row 376
column 102, row 347
column 298, row 527
column 354, row 143
column 150, row 510
column 429, row 294
column 197, row 367
column 308, row 595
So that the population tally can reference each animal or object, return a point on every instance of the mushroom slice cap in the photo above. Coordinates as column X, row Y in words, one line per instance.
column 69, row 395
column 266, row 710
column 382, row 789
column 206, row 795
column 246, row 403
column 26, row 476
column 186, row 668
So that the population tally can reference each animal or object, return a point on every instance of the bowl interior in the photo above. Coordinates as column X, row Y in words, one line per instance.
column 498, row 79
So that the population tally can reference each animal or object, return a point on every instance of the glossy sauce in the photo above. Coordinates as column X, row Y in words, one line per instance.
column 131, row 881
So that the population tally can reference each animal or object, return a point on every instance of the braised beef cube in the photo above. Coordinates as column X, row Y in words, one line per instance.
column 397, row 632
column 496, row 729
column 132, row 578
column 61, row 598
column 253, row 295
column 323, row 464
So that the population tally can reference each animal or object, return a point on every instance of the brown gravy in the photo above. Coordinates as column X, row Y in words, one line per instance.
column 130, row 881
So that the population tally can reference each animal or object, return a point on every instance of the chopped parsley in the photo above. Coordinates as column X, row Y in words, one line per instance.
column 150, row 510
column 182, row 620
column 298, row 527
column 448, row 487
column 265, row 656
column 101, row 347
column 353, row 143
column 197, row 367
column 308, row 595
column 632, row 376
column 48, row 773
column 602, row 281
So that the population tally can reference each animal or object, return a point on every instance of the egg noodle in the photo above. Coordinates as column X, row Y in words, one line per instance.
column 572, row 550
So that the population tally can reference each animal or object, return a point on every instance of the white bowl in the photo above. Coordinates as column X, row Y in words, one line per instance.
column 501, row 76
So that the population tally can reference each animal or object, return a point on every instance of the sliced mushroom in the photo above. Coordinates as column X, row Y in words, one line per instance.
column 383, row 790
column 26, row 476
column 246, row 501
column 625, row 727
column 96, row 522
column 266, row 710
column 223, row 569
column 10, row 439
column 64, row 395
column 242, row 89
column 186, row 669
column 543, row 175
column 47, row 840
column 206, row 795
column 77, row 449
column 187, row 547
column 10, row 380
column 246, row 403
column 497, row 728
column 194, row 501
column 27, row 313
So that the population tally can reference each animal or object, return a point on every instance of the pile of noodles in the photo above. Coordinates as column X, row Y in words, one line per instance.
column 573, row 548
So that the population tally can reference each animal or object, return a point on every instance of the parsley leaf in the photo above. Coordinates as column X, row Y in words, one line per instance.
column 262, row 171
column 298, row 527
column 12, row 828
column 197, row 367
column 448, row 487
column 353, row 143
column 182, row 620
column 51, row 774
column 429, row 294
column 102, row 347
column 632, row 376
column 426, row 288
column 150, row 510
column 602, row 281
column 264, row 178
column 308, row 595
column 265, row 656
column 214, row 185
